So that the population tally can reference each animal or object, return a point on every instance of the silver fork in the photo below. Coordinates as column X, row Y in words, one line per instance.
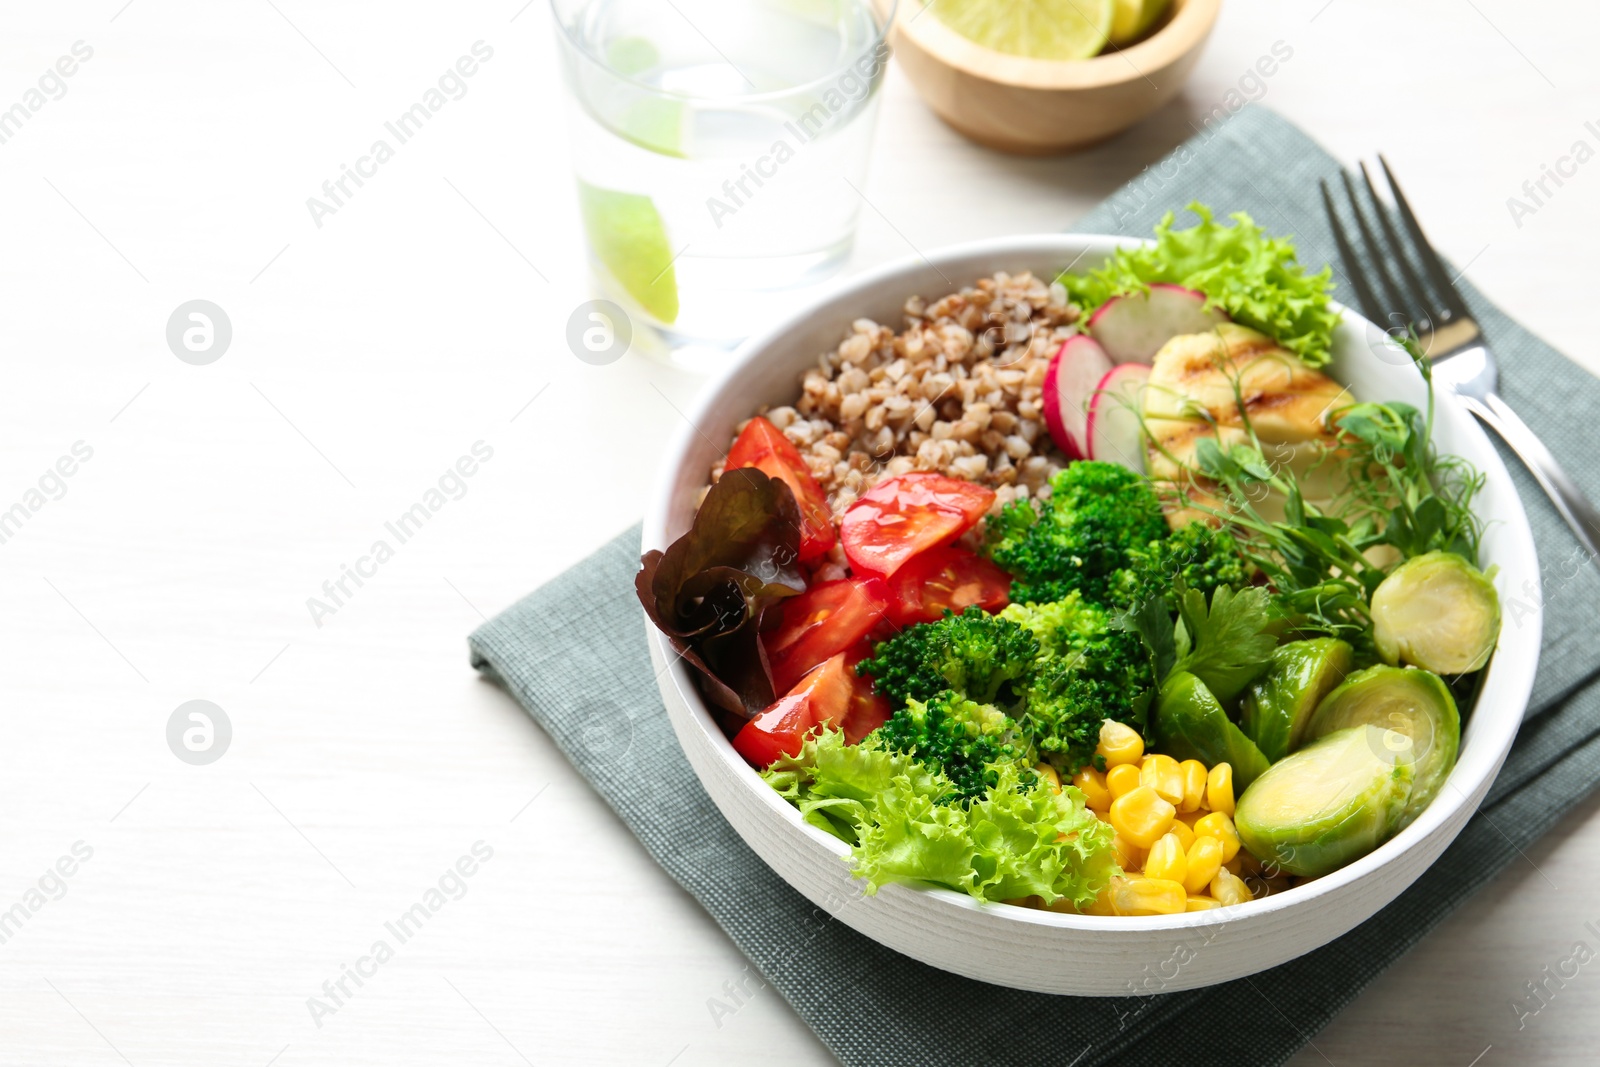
column 1429, row 303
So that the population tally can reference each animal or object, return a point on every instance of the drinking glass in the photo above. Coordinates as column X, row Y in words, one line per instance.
column 720, row 147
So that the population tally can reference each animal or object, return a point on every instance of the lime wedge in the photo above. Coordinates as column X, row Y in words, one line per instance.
column 1037, row 29
column 631, row 55
column 650, row 119
column 629, row 239
column 655, row 123
column 1133, row 18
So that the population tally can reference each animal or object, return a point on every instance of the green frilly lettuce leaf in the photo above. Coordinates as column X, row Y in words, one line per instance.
column 1018, row 840
column 1254, row 278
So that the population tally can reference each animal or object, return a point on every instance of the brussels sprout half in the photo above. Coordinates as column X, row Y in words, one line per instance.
column 1190, row 723
column 1280, row 703
column 1329, row 803
column 1437, row 612
column 1413, row 702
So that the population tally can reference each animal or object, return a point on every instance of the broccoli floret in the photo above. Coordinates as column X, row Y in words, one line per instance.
column 1200, row 557
column 963, row 738
column 980, row 656
column 1082, row 535
column 1062, row 627
column 1106, row 677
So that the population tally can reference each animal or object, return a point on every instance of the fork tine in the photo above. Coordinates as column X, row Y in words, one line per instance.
column 1421, row 297
column 1375, row 253
column 1358, row 279
column 1430, row 259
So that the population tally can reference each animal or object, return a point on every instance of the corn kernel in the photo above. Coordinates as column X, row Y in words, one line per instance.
column 1162, row 774
column 1189, row 818
column 1142, row 816
column 1123, row 778
column 1051, row 776
column 1220, row 826
column 1147, row 896
column 1184, row 831
column 1130, row 857
column 1167, row 859
column 1092, row 784
column 1201, row 904
column 1119, row 744
column 1203, row 861
column 1219, row 789
column 1228, row 889
column 1194, row 785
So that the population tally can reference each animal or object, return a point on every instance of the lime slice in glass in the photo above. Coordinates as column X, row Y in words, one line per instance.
column 1037, row 29
column 631, row 55
column 655, row 123
column 650, row 119
column 630, row 241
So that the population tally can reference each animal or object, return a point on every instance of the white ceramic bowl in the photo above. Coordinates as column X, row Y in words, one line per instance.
column 1038, row 950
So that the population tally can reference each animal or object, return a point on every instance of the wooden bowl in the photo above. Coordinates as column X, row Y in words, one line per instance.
column 1044, row 107
column 1084, row 955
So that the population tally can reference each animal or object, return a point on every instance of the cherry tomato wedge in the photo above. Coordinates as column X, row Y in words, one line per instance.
column 950, row 577
column 907, row 515
column 867, row 710
column 822, row 698
column 762, row 445
column 821, row 622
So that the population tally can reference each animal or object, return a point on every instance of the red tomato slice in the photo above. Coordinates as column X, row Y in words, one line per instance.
column 830, row 688
column 762, row 445
column 823, row 697
column 906, row 515
column 950, row 577
column 821, row 622
column 778, row 731
column 867, row 710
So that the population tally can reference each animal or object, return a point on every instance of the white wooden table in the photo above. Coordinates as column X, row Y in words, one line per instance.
column 367, row 356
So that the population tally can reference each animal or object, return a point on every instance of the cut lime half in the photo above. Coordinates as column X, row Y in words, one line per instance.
column 1134, row 18
column 629, row 240
column 1037, row 29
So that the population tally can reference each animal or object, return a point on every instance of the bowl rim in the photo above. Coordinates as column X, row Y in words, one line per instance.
column 1491, row 742
column 1185, row 30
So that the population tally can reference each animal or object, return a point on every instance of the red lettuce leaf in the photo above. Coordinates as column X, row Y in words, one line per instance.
column 708, row 591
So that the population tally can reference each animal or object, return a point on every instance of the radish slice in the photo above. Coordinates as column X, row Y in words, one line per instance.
column 1069, row 382
column 1114, row 433
column 1133, row 327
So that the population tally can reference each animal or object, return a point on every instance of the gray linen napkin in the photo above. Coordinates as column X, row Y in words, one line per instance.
column 573, row 654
